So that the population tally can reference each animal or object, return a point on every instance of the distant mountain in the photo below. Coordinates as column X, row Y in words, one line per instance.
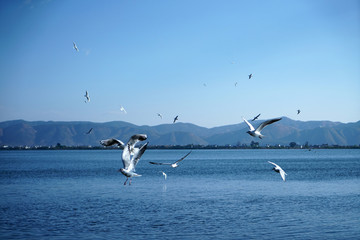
column 40, row 133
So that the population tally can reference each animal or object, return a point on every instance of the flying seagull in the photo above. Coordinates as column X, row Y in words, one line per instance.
column 89, row 131
column 235, row 84
column 159, row 115
column 256, row 117
column 257, row 132
column 278, row 169
column 164, row 174
column 175, row 119
column 250, row 76
column 298, row 111
column 75, row 47
column 123, row 109
column 173, row 165
column 87, row 96
column 129, row 160
column 112, row 141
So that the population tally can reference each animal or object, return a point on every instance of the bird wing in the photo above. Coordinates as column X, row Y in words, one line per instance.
column 282, row 174
column 126, row 155
column 268, row 122
column 160, row 163
column 111, row 141
column 183, row 157
column 89, row 131
column 137, row 156
column 249, row 124
column 274, row 164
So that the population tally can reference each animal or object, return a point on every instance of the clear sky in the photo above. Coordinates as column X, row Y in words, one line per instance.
column 180, row 57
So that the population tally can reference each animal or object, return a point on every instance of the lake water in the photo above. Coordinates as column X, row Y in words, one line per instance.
column 213, row 194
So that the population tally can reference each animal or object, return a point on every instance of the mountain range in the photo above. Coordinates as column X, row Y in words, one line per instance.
column 50, row 133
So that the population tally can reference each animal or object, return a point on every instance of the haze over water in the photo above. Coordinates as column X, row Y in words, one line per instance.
column 213, row 194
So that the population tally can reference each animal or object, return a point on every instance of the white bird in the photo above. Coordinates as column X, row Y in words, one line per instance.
column 123, row 109
column 257, row 132
column 75, row 47
column 278, row 169
column 130, row 162
column 87, row 96
column 235, row 84
column 112, row 141
column 164, row 174
column 173, row 165
column 159, row 115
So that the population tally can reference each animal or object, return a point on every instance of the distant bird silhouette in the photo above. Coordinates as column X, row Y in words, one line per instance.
column 75, row 47
column 122, row 109
column 256, row 117
column 112, row 141
column 173, row 165
column 278, row 169
column 250, row 76
column 159, row 115
column 257, row 132
column 235, row 84
column 176, row 118
column 204, row 84
column 89, row 131
column 298, row 111
column 87, row 96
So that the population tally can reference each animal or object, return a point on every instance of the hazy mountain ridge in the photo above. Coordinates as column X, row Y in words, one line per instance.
column 41, row 133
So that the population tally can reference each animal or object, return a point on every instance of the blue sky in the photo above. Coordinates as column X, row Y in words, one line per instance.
column 157, row 56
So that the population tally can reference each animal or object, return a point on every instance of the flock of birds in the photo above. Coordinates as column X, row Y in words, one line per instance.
column 132, row 154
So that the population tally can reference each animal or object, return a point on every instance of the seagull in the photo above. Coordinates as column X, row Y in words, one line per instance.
column 89, row 131
column 173, row 165
column 250, row 76
column 256, row 117
column 159, row 115
column 235, row 84
column 75, row 47
column 204, row 84
column 87, row 96
column 123, row 109
column 175, row 119
column 130, row 162
column 298, row 111
column 112, row 141
column 278, row 169
column 257, row 132
column 165, row 176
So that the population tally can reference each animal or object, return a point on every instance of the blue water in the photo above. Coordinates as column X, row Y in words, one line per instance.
column 213, row 194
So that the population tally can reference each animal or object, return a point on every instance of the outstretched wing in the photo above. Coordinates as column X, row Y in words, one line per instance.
column 282, row 174
column 249, row 124
column 111, row 141
column 137, row 156
column 268, row 122
column 160, row 163
column 273, row 164
column 183, row 157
